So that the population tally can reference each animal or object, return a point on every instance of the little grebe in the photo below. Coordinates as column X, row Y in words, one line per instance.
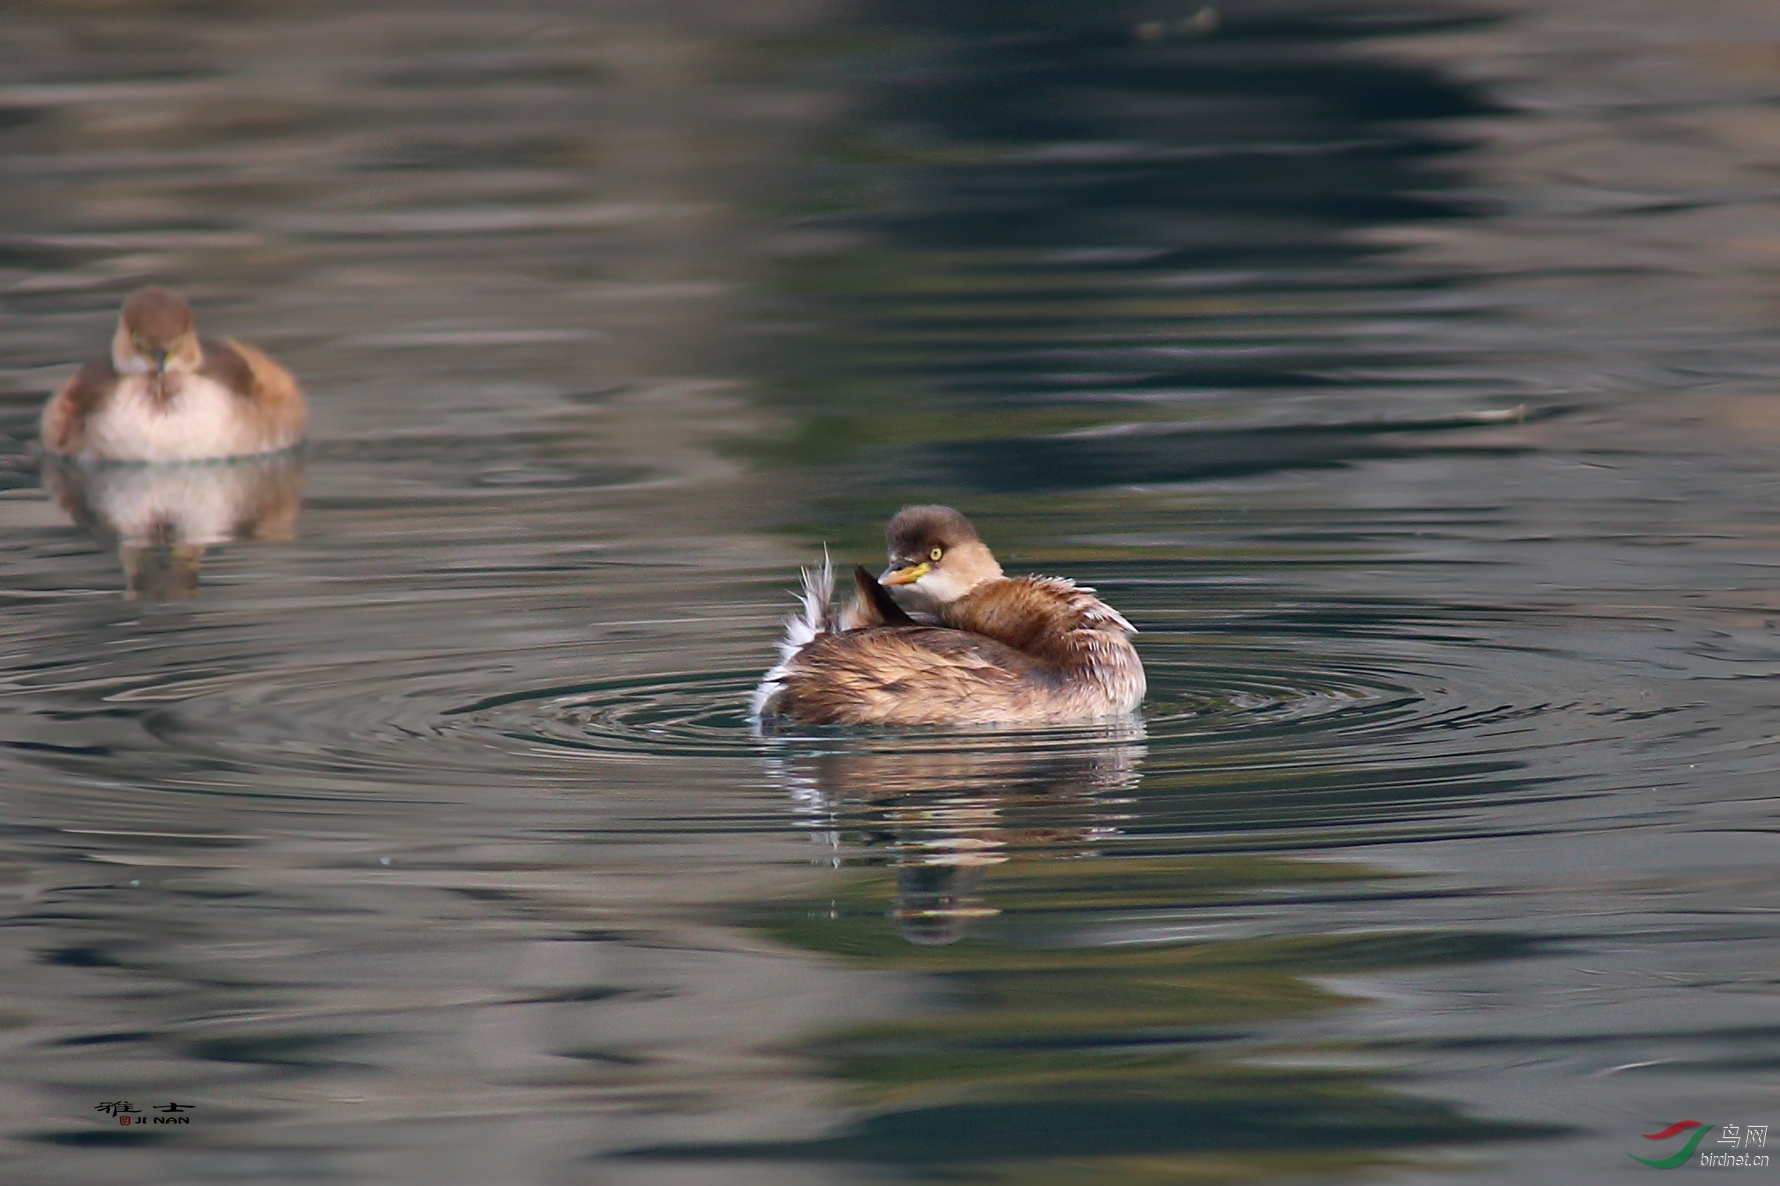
column 162, row 394
column 990, row 649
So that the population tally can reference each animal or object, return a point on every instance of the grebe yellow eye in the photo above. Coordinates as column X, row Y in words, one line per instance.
column 935, row 554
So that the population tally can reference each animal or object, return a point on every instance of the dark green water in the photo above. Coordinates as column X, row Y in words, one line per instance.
column 1408, row 375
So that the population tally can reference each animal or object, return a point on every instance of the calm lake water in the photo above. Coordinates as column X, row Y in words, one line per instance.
column 1409, row 374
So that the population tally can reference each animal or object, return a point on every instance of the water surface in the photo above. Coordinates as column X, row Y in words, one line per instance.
column 1406, row 374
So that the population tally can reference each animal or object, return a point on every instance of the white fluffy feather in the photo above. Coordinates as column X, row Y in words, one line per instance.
column 814, row 617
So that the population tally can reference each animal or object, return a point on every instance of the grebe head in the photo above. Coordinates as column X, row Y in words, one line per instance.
column 936, row 552
column 155, row 335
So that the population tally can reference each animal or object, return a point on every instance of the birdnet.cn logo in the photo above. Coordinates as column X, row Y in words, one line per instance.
column 1718, row 1153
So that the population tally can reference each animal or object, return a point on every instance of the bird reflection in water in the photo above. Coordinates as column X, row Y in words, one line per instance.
column 162, row 517
column 951, row 807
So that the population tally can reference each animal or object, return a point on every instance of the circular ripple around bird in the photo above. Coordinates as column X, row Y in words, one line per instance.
column 334, row 727
column 1190, row 701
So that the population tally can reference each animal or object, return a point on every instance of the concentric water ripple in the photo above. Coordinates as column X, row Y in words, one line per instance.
column 705, row 714
column 372, row 714
column 1274, row 702
column 684, row 714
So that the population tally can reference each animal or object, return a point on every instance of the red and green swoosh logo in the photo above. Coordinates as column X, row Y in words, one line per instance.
column 1700, row 1129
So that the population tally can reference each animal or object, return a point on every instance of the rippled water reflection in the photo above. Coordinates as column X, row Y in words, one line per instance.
column 1406, row 375
column 164, row 517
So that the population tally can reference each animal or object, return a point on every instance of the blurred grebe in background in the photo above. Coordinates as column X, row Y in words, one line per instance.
column 164, row 394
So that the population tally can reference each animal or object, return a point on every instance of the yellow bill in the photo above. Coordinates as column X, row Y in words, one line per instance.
column 903, row 576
